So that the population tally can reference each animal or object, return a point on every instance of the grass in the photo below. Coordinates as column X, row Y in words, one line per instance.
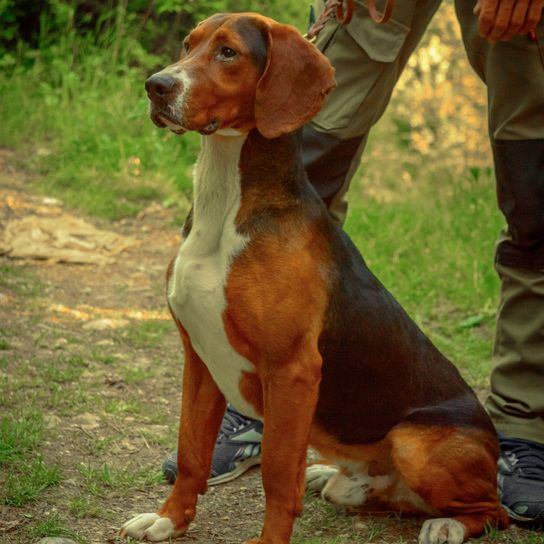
column 19, row 281
column 141, row 334
column 27, row 481
column 85, row 507
column 105, row 480
column 103, row 358
column 19, row 437
column 26, row 475
column 65, row 369
column 84, row 116
column 53, row 526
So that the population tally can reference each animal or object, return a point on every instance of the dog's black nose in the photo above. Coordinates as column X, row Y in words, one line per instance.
column 160, row 84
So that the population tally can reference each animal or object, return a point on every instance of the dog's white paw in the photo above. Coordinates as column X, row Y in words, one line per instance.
column 317, row 476
column 442, row 531
column 150, row 527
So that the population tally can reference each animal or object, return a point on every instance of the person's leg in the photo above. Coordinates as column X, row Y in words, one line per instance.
column 514, row 75
column 369, row 59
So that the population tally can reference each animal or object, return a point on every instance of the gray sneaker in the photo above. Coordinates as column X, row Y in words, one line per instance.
column 237, row 449
column 521, row 479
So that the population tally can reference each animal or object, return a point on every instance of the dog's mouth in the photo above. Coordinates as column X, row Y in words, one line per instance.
column 176, row 125
column 164, row 120
column 173, row 126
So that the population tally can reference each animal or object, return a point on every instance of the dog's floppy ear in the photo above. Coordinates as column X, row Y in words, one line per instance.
column 296, row 79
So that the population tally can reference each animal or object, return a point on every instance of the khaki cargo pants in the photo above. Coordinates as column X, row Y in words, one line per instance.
column 369, row 59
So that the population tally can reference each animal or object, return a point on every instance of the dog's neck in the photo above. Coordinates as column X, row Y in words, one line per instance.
column 217, row 183
column 273, row 165
column 274, row 185
column 242, row 177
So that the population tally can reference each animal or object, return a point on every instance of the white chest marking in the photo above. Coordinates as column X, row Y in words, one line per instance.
column 196, row 291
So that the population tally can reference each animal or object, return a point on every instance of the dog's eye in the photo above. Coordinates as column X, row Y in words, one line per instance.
column 186, row 47
column 227, row 52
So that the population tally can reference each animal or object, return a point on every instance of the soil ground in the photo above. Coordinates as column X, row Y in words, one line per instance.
column 92, row 350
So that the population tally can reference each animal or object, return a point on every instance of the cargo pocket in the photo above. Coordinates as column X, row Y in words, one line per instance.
column 381, row 42
column 360, row 52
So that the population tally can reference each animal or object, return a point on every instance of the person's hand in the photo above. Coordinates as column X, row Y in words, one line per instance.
column 503, row 19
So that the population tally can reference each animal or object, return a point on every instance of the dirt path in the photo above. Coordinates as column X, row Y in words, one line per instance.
column 92, row 349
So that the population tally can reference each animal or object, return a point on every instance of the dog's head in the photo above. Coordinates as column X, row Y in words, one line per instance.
column 237, row 72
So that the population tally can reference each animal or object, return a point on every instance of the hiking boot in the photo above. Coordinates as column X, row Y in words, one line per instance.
column 521, row 479
column 237, row 449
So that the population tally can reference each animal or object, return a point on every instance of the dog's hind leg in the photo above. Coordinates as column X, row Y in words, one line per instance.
column 453, row 470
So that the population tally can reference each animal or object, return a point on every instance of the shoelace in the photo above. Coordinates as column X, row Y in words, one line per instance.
column 527, row 459
column 232, row 422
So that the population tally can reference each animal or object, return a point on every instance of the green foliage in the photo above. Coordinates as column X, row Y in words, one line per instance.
column 86, row 114
column 99, row 480
column 159, row 25
column 27, row 481
column 24, row 473
column 19, row 437
column 145, row 334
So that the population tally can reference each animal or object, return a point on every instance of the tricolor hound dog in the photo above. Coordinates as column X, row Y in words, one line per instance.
column 280, row 316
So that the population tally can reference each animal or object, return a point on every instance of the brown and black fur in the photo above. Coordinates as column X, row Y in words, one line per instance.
column 337, row 362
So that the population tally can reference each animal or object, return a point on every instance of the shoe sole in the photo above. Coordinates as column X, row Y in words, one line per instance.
column 240, row 468
column 521, row 519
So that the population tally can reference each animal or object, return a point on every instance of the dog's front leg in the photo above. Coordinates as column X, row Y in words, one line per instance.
column 290, row 395
column 202, row 408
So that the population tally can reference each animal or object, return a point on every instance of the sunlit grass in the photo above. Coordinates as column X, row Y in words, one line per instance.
column 431, row 243
column 81, row 119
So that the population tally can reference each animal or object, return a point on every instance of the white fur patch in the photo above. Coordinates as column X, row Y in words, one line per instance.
column 442, row 531
column 354, row 489
column 177, row 106
column 186, row 82
column 353, row 485
column 318, row 475
column 197, row 287
column 150, row 527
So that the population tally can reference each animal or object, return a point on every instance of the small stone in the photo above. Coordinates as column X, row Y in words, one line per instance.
column 87, row 421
